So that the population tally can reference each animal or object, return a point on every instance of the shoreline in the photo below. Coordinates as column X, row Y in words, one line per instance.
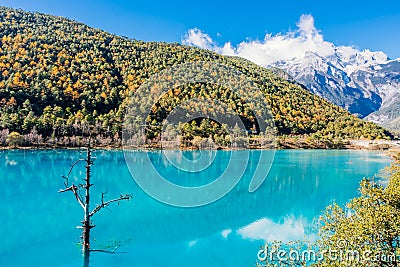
column 279, row 143
column 374, row 147
column 393, row 152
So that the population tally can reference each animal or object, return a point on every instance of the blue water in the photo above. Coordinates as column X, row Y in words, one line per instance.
column 38, row 224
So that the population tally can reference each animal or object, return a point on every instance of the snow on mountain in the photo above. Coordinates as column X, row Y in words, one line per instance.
column 365, row 83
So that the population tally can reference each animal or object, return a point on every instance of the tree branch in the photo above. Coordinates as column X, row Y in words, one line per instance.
column 70, row 170
column 73, row 188
column 105, row 204
column 107, row 251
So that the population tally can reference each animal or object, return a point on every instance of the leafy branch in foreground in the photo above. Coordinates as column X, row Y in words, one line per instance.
column 81, row 192
column 366, row 232
column 369, row 225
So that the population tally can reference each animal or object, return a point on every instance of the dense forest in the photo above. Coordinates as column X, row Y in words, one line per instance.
column 61, row 80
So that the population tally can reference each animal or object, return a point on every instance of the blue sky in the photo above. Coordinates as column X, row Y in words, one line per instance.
column 374, row 25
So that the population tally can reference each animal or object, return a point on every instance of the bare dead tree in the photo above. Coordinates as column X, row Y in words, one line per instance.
column 81, row 192
column 3, row 136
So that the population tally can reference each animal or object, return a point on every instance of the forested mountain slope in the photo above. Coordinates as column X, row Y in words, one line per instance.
column 61, row 78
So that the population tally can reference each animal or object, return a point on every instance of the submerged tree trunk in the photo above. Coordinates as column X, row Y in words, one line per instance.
column 84, row 189
column 86, row 220
column 86, row 258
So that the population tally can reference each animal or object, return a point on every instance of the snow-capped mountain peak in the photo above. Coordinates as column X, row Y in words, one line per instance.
column 364, row 82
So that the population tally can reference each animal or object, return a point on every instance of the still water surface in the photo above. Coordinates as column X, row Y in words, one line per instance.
column 38, row 224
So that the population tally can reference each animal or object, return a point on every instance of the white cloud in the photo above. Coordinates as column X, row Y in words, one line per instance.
column 268, row 230
column 306, row 25
column 293, row 44
column 197, row 38
column 225, row 233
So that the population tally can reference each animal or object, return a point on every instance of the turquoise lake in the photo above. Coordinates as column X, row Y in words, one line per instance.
column 38, row 224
